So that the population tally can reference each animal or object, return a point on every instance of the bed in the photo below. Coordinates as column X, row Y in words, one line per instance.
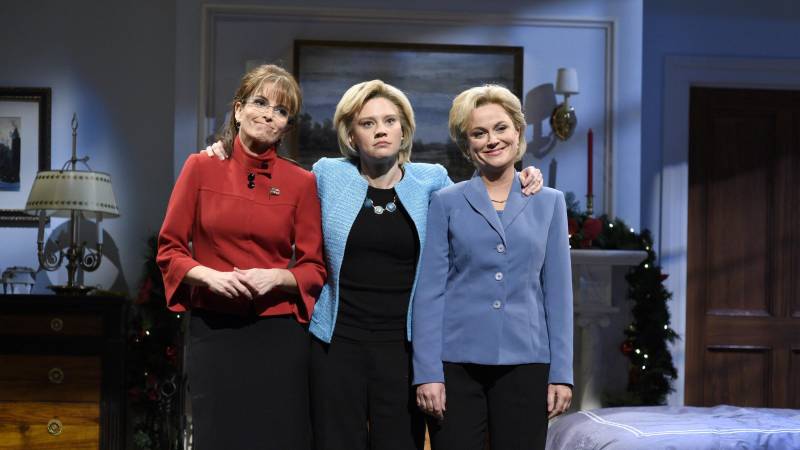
column 677, row 428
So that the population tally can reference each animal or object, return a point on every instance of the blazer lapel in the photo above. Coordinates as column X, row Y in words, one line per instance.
column 515, row 204
column 478, row 197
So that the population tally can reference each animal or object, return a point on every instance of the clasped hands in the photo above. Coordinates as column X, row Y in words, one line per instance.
column 248, row 283
column 432, row 399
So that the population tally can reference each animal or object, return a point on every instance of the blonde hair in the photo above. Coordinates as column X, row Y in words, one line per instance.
column 472, row 98
column 353, row 101
column 283, row 86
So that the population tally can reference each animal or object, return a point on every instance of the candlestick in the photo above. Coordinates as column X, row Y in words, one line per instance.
column 590, row 205
column 42, row 222
column 590, row 174
column 551, row 173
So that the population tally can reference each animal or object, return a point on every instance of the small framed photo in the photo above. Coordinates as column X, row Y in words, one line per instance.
column 24, row 149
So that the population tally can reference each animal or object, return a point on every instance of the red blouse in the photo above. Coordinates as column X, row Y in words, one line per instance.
column 214, row 219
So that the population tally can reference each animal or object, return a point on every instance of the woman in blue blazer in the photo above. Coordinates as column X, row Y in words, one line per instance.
column 492, row 318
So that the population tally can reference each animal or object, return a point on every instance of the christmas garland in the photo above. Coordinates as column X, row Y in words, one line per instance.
column 650, row 371
column 155, row 376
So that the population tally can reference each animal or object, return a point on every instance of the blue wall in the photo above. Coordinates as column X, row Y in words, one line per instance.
column 718, row 28
column 113, row 64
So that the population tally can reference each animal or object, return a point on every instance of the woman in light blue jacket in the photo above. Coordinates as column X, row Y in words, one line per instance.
column 492, row 319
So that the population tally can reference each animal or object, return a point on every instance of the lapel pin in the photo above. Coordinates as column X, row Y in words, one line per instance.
column 274, row 191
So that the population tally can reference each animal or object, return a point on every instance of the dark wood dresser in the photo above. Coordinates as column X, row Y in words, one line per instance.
column 62, row 372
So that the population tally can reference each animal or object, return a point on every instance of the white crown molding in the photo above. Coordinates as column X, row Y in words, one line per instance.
column 213, row 12
column 681, row 73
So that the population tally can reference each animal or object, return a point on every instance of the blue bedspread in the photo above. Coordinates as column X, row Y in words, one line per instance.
column 678, row 428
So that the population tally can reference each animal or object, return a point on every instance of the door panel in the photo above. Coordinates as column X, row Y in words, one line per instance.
column 743, row 292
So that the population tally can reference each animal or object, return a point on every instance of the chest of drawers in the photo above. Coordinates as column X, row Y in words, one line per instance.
column 62, row 371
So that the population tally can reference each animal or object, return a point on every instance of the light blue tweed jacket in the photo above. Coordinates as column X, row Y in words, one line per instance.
column 342, row 191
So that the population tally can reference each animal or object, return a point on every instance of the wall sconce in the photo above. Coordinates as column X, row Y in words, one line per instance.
column 73, row 194
column 563, row 119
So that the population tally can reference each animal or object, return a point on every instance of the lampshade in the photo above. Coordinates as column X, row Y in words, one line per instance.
column 60, row 192
column 567, row 81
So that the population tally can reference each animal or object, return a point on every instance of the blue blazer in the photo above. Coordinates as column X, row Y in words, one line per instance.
column 494, row 290
column 342, row 191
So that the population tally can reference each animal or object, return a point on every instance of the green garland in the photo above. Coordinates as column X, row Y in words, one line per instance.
column 155, row 376
column 651, row 370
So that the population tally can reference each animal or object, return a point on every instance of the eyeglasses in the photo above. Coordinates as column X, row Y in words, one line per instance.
column 262, row 106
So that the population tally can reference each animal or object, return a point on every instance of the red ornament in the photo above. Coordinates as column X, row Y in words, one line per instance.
column 626, row 348
column 135, row 393
column 171, row 351
column 573, row 226
column 592, row 228
column 152, row 394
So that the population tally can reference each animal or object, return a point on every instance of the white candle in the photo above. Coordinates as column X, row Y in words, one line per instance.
column 99, row 229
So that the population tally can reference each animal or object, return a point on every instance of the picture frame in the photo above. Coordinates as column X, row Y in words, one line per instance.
column 431, row 75
column 24, row 149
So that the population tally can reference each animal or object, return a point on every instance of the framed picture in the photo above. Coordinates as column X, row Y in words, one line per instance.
column 24, row 149
column 430, row 75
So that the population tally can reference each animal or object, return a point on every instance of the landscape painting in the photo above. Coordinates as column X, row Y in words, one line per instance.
column 430, row 75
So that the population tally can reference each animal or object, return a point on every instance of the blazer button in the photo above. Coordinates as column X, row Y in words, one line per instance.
column 498, row 276
column 497, row 304
column 501, row 248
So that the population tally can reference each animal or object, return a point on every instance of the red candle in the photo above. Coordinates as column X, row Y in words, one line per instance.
column 589, row 177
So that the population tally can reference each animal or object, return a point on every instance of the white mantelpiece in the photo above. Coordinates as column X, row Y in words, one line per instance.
column 592, row 287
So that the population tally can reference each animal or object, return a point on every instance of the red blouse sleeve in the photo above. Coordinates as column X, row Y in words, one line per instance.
column 174, row 255
column 309, row 269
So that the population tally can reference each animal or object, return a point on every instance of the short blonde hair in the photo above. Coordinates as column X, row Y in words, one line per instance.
column 284, row 86
column 472, row 98
column 353, row 101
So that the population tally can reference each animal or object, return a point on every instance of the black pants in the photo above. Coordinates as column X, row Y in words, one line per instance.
column 248, row 382
column 509, row 401
column 362, row 398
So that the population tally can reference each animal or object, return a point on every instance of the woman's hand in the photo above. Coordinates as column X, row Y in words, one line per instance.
column 559, row 397
column 261, row 281
column 431, row 399
column 226, row 284
column 217, row 149
column 531, row 180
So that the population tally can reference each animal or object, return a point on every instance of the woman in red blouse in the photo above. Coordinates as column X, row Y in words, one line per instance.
column 241, row 246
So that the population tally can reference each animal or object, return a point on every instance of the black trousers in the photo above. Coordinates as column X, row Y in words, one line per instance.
column 510, row 402
column 361, row 396
column 248, row 382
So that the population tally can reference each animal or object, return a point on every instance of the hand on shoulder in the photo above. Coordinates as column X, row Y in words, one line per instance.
column 216, row 149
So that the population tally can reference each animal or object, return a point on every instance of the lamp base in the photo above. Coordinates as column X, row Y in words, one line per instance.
column 71, row 290
column 563, row 121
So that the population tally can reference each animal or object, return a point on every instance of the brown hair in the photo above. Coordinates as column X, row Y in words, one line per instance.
column 284, row 87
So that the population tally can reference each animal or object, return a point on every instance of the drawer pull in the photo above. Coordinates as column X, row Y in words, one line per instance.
column 54, row 427
column 56, row 324
column 55, row 375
